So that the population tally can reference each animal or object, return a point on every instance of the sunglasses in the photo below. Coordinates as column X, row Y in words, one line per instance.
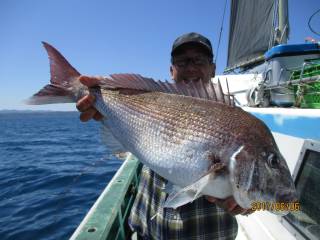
column 196, row 61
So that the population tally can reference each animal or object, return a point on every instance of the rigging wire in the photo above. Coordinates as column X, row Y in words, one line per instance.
column 309, row 23
column 221, row 28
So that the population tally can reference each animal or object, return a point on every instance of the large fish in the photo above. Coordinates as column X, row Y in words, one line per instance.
column 190, row 134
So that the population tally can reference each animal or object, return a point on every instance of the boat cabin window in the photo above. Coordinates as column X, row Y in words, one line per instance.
column 306, row 222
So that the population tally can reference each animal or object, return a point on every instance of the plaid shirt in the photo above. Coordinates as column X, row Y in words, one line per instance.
column 197, row 220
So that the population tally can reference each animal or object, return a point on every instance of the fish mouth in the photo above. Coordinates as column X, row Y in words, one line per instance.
column 285, row 203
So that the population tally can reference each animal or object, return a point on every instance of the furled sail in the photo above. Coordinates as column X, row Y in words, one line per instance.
column 254, row 28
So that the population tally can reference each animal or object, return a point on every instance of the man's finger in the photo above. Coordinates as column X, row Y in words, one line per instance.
column 97, row 116
column 231, row 204
column 247, row 212
column 89, row 81
column 238, row 210
column 211, row 199
column 87, row 115
column 228, row 204
column 85, row 103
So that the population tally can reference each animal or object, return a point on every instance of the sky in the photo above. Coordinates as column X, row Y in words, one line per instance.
column 101, row 37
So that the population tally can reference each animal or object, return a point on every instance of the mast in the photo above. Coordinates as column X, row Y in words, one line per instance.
column 283, row 21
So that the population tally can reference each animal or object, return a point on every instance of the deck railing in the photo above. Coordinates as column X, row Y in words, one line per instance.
column 107, row 219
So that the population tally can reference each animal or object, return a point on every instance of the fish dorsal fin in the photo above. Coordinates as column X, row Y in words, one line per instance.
column 196, row 89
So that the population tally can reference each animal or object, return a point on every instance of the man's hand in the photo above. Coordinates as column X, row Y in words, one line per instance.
column 230, row 205
column 85, row 104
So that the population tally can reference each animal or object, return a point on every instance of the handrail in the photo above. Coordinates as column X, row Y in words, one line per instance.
column 107, row 218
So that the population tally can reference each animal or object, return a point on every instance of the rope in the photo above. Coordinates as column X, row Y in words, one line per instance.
column 309, row 23
column 221, row 28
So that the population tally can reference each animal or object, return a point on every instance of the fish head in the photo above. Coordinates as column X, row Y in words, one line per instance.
column 259, row 174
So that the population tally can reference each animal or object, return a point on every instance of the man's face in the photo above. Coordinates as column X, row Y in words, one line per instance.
column 191, row 64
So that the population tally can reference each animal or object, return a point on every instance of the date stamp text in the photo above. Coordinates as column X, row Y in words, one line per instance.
column 277, row 206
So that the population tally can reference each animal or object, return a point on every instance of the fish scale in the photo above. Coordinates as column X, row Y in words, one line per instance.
column 165, row 119
column 190, row 134
column 166, row 126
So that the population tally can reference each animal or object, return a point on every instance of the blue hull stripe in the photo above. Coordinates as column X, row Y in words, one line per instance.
column 297, row 126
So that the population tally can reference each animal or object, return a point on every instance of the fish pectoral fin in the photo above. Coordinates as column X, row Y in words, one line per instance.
column 171, row 188
column 181, row 196
column 177, row 199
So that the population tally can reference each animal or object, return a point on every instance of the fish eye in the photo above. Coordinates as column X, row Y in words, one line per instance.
column 272, row 160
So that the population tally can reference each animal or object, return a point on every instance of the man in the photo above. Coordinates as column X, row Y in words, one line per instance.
column 191, row 60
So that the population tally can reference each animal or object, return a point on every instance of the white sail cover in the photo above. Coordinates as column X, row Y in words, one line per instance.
column 252, row 24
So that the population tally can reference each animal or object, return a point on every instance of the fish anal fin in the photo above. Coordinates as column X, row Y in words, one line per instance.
column 112, row 144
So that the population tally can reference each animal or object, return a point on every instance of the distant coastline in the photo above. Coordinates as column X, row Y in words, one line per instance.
column 34, row 111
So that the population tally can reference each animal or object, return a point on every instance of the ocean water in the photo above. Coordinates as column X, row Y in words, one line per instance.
column 53, row 168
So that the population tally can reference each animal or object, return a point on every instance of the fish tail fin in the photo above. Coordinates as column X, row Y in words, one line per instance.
column 64, row 85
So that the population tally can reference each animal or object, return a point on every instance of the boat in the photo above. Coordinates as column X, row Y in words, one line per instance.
column 278, row 83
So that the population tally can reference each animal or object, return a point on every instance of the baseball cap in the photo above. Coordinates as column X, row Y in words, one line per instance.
column 192, row 38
